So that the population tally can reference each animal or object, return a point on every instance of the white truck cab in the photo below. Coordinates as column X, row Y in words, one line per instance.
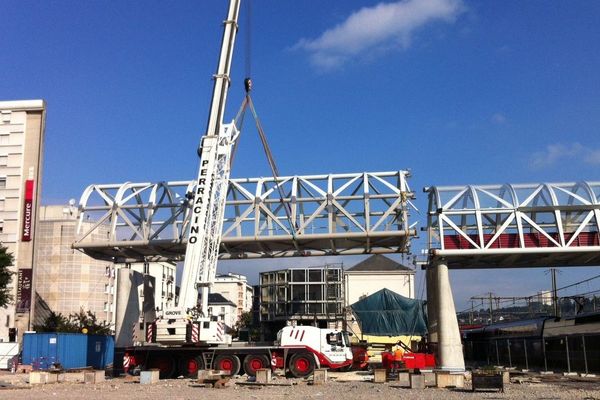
column 331, row 347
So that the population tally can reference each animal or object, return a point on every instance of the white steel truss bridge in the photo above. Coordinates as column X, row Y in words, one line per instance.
column 339, row 214
column 525, row 225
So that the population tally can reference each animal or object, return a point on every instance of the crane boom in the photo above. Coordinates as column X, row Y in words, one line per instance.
column 208, row 201
column 206, row 209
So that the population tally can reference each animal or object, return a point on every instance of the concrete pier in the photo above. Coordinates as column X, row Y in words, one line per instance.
column 127, row 308
column 443, row 322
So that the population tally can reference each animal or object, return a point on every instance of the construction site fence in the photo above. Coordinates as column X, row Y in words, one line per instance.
column 573, row 353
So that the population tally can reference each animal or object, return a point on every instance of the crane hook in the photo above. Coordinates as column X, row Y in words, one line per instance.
column 248, row 84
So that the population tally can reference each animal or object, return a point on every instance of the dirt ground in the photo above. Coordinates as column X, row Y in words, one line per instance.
column 345, row 386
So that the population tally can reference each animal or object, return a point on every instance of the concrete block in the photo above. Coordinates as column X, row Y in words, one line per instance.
column 505, row 377
column 447, row 379
column 380, row 376
column 94, row 376
column 417, row 381
column 430, row 380
column 203, row 373
column 569, row 373
column 404, row 378
column 319, row 376
column 546, row 372
column 52, row 377
column 37, row 377
column 149, row 377
column 587, row 375
column 263, row 375
column 71, row 377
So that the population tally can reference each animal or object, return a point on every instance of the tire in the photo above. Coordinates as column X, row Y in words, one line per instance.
column 227, row 362
column 165, row 363
column 190, row 365
column 347, row 368
column 301, row 365
column 254, row 362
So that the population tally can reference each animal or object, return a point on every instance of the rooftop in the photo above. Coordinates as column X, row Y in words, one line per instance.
column 19, row 105
column 217, row 298
column 379, row 263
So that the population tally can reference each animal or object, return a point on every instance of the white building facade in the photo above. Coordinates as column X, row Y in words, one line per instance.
column 234, row 288
column 375, row 273
column 164, row 282
column 22, row 125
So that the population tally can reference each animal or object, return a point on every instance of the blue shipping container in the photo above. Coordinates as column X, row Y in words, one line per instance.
column 100, row 351
column 70, row 350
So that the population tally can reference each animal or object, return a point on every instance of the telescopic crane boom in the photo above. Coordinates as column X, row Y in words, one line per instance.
column 206, row 208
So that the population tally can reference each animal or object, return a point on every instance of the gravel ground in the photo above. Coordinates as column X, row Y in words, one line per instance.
column 550, row 387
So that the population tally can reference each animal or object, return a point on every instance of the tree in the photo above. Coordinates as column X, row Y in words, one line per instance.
column 81, row 322
column 245, row 321
column 87, row 320
column 6, row 261
column 55, row 323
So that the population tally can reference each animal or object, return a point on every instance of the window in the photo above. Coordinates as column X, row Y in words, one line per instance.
column 4, row 139
column 3, row 182
column 334, row 338
column 3, row 160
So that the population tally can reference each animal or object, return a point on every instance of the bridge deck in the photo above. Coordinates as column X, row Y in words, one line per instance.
column 526, row 225
column 339, row 214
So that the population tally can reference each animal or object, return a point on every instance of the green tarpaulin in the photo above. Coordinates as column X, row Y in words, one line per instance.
column 386, row 313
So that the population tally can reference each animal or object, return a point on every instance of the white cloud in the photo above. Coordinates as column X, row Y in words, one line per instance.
column 383, row 26
column 499, row 119
column 592, row 157
column 555, row 153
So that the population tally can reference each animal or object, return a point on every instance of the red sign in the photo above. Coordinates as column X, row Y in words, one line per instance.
column 28, row 211
column 24, row 290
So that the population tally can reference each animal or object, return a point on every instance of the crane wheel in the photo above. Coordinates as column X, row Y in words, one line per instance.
column 190, row 365
column 301, row 364
column 165, row 363
column 347, row 368
column 230, row 363
column 254, row 362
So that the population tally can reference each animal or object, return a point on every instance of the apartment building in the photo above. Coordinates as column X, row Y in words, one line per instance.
column 22, row 125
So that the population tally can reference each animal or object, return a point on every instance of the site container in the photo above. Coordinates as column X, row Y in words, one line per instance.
column 100, row 351
column 70, row 350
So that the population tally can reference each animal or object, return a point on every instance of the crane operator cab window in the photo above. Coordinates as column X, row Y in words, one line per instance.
column 335, row 339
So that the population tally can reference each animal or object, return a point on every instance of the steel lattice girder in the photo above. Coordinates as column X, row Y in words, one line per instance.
column 335, row 214
column 525, row 225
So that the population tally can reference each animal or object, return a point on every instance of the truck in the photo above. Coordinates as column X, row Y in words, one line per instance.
column 298, row 350
column 184, row 338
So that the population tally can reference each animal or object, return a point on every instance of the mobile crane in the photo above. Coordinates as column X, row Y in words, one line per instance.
column 185, row 338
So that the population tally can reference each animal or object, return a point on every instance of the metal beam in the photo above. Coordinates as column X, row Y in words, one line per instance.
column 336, row 214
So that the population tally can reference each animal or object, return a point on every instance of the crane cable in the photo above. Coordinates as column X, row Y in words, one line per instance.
column 239, row 121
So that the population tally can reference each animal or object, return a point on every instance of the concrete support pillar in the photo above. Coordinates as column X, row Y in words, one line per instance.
column 449, row 349
column 432, row 307
column 149, row 303
column 127, row 307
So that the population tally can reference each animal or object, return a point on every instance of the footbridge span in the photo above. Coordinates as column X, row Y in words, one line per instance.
column 336, row 214
column 503, row 226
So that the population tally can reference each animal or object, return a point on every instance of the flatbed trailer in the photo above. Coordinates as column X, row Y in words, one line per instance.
column 172, row 362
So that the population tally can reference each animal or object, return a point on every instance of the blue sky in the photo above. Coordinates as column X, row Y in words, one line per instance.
column 460, row 92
